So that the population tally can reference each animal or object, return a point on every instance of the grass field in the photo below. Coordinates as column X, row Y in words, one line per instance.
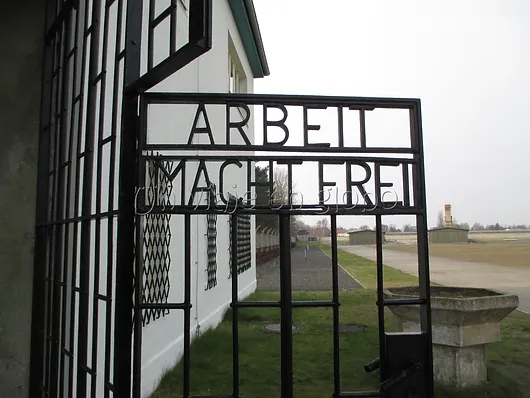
column 211, row 354
column 494, row 252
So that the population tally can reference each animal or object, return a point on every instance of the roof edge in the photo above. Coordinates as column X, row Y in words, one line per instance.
column 356, row 231
column 247, row 24
column 451, row 227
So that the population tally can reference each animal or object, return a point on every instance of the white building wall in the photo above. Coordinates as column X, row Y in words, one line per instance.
column 163, row 338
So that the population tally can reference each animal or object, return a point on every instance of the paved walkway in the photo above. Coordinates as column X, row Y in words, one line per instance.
column 313, row 273
column 458, row 273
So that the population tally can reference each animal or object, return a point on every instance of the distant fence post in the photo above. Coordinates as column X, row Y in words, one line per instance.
column 267, row 244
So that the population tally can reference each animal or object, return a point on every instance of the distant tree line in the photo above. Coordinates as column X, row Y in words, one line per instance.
column 440, row 222
column 497, row 227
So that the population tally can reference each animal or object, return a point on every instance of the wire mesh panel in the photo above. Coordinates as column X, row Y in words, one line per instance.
column 211, row 237
column 156, row 241
column 243, row 241
column 244, row 256
column 211, row 251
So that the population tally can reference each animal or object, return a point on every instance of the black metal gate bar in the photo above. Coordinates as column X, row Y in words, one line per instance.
column 83, row 368
column 71, row 209
column 102, row 115
column 187, row 308
column 286, row 307
column 61, row 245
column 336, row 306
column 138, row 300
column 82, row 37
column 380, row 296
column 423, row 247
column 53, row 255
column 54, row 260
column 38, row 333
column 128, row 175
column 235, row 308
column 119, row 57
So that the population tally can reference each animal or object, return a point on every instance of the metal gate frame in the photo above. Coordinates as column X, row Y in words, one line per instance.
column 392, row 371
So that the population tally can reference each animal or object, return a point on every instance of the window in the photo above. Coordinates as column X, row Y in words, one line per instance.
column 237, row 82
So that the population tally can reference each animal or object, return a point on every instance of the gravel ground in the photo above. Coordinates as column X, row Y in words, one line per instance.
column 311, row 274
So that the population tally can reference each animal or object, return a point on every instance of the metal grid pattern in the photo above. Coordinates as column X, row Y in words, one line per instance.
column 157, row 240
column 211, row 250
column 85, row 218
column 167, row 15
column 244, row 257
column 211, row 238
column 75, row 249
column 242, row 253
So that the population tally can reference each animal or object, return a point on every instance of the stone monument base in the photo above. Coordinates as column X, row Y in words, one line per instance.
column 464, row 321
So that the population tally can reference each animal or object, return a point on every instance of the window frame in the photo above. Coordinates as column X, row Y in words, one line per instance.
column 184, row 4
column 236, row 72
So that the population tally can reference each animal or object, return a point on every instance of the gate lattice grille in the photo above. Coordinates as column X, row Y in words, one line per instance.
column 76, row 228
column 157, row 240
column 83, row 263
column 211, row 236
column 243, row 249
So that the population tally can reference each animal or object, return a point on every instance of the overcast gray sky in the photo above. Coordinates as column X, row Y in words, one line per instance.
column 467, row 60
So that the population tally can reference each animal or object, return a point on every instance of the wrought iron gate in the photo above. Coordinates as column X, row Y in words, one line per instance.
column 405, row 359
column 90, row 244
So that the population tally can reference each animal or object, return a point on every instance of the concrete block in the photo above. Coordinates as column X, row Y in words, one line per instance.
column 464, row 321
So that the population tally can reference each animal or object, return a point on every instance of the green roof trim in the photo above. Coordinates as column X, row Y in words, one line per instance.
column 247, row 25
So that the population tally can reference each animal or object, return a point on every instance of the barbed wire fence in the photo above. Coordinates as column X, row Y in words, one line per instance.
column 268, row 244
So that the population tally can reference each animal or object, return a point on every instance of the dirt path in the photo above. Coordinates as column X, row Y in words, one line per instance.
column 515, row 280
column 308, row 273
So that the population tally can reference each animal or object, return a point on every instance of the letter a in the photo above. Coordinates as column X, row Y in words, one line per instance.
column 201, row 130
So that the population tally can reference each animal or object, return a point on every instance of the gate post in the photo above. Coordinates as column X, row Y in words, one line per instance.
column 123, row 332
